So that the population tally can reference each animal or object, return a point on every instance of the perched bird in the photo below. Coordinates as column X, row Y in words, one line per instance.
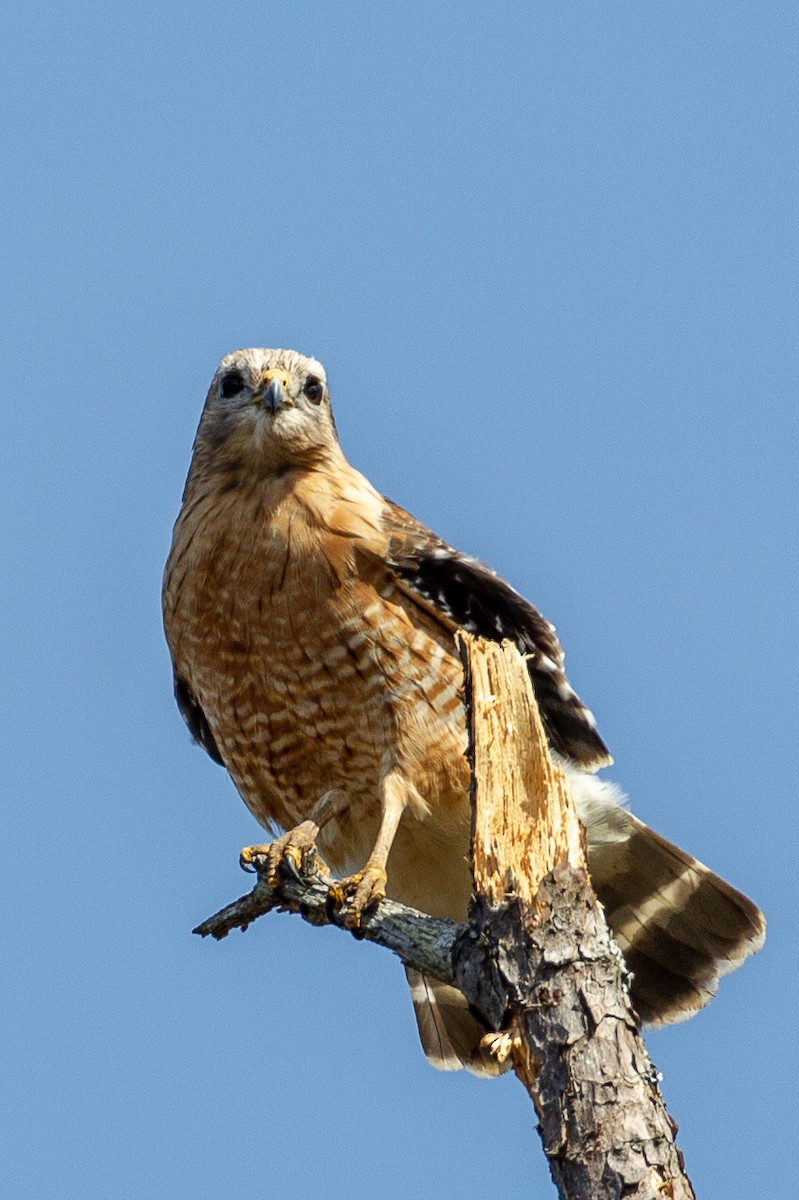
column 312, row 626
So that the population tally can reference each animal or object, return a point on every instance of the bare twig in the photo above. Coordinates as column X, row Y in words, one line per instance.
column 420, row 941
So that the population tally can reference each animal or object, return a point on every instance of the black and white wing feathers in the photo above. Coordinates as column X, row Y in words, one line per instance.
column 465, row 594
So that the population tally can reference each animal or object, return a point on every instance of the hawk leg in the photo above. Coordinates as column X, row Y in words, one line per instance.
column 298, row 844
column 294, row 847
column 366, row 888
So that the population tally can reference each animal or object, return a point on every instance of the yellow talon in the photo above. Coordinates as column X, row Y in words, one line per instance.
column 365, row 890
column 248, row 855
column 293, row 848
column 500, row 1045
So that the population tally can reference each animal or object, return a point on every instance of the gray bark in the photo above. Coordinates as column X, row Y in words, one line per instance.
column 421, row 941
column 558, row 983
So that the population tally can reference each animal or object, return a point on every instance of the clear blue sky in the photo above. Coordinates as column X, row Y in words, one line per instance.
column 548, row 255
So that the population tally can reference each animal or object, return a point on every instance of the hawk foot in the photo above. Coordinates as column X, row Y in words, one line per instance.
column 500, row 1045
column 364, row 890
column 296, row 849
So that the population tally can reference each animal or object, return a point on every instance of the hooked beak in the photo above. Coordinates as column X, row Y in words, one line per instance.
column 274, row 395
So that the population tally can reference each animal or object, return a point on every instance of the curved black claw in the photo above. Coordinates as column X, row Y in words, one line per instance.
column 248, row 855
column 288, row 866
column 333, row 902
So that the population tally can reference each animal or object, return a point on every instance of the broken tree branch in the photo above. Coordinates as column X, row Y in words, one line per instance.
column 537, row 958
column 421, row 941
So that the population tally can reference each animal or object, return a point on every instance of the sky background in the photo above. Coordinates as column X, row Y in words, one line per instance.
column 548, row 255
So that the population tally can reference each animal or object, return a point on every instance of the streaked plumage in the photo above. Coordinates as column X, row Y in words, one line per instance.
column 311, row 624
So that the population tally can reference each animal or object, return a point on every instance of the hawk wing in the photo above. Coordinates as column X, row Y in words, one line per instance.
column 462, row 593
column 196, row 720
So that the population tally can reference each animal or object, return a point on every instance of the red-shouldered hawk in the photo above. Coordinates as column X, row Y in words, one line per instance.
column 311, row 624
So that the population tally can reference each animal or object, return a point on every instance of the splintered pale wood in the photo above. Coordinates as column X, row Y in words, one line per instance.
column 524, row 821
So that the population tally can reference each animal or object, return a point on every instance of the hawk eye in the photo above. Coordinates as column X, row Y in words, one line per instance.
column 314, row 389
column 231, row 384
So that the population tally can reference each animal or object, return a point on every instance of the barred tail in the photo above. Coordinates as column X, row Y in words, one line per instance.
column 449, row 1033
column 679, row 925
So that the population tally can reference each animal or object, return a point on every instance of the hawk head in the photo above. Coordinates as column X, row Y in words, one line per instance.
column 267, row 410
